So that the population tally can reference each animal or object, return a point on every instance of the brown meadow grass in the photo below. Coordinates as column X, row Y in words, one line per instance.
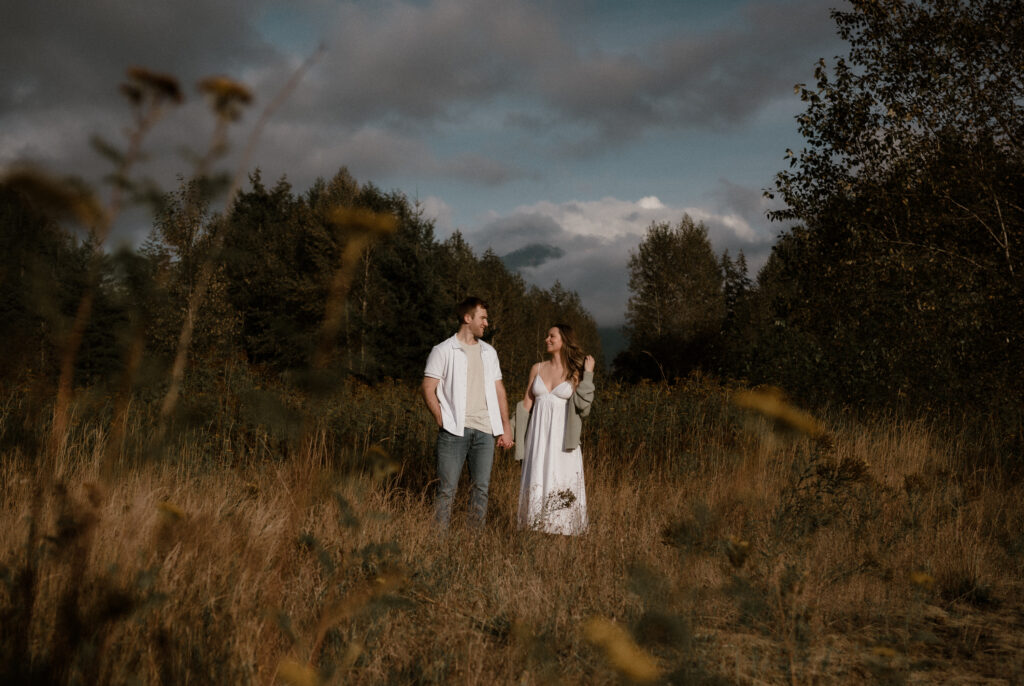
column 722, row 549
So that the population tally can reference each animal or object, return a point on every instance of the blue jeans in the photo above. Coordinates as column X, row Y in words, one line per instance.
column 453, row 451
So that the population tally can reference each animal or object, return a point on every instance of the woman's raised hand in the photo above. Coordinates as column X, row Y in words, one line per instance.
column 588, row 363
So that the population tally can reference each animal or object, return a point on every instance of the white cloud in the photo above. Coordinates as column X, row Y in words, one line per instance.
column 606, row 218
column 737, row 225
column 611, row 218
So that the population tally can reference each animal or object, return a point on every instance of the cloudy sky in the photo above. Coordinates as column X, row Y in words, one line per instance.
column 552, row 132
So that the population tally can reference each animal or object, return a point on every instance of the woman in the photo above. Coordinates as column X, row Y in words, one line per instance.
column 558, row 395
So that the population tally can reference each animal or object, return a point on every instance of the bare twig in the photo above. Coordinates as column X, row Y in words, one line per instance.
column 1006, row 238
column 936, row 249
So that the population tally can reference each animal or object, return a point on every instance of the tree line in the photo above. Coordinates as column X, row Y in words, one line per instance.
column 276, row 254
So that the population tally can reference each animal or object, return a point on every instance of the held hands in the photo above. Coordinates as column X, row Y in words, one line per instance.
column 504, row 442
column 588, row 363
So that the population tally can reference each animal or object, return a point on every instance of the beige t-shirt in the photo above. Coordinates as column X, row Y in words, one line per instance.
column 477, row 416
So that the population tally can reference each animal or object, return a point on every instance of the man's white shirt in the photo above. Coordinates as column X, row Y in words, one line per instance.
column 447, row 363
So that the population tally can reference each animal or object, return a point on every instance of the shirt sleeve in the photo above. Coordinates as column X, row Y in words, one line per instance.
column 435, row 364
column 494, row 364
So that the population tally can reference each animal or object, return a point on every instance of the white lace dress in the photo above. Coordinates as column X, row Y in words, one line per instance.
column 552, row 497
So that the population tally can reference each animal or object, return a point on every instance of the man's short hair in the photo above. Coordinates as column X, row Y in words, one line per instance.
column 468, row 306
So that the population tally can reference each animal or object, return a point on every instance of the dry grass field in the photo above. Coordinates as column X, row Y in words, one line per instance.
column 727, row 546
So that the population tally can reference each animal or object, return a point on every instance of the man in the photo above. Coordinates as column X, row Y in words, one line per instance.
column 463, row 390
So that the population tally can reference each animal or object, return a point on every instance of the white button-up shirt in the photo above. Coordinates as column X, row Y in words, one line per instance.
column 447, row 363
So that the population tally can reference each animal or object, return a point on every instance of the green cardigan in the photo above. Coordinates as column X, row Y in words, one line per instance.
column 576, row 409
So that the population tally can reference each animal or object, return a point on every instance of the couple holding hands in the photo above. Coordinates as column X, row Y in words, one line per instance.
column 463, row 390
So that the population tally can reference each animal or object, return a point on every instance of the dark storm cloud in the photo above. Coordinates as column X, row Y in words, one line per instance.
column 386, row 72
column 714, row 79
column 532, row 255
column 70, row 54
column 419, row 63
column 391, row 73
column 422, row 64
column 306, row 150
column 481, row 170
column 511, row 233
column 63, row 63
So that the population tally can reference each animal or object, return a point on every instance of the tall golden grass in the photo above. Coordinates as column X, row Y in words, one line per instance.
column 736, row 551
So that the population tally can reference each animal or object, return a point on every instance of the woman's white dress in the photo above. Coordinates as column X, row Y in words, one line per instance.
column 552, row 497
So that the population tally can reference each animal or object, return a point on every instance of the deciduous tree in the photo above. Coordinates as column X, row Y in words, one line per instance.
column 906, row 273
column 675, row 312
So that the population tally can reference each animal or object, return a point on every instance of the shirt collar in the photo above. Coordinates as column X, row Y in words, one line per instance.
column 456, row 343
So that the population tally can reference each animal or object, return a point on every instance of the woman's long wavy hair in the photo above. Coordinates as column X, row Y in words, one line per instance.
column 572, row 354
